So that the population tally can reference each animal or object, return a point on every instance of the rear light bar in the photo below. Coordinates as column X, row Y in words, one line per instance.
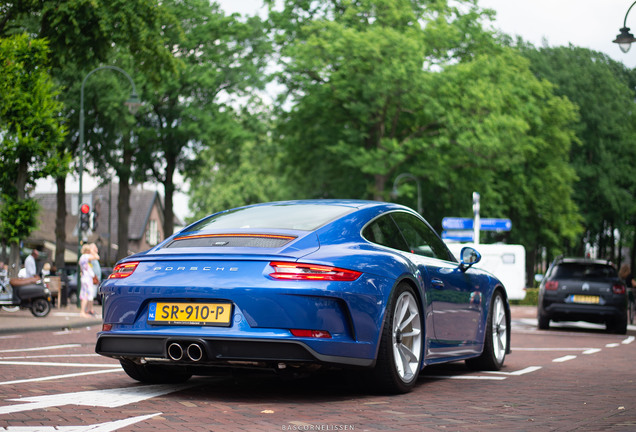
column 298, row 271
column 319, row 334
column 618, row 289
column 552, row 285
column 123, row 270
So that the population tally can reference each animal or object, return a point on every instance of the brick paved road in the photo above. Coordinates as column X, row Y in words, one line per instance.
column 563, row 379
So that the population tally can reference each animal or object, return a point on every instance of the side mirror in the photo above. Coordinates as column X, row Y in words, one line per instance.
column 469, row 256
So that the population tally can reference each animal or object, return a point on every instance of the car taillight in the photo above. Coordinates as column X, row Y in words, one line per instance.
column 552, row 285
column 320, row 334
column 618, row 289
column 123, row 270
column 297, row 271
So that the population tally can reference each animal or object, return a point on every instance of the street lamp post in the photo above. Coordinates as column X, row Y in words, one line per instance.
column 396, row 182
column 133, row 104
column 625, row 39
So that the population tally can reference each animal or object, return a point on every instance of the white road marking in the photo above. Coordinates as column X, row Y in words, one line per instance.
column 628, row 340
column 552, row 349
column 54, row 377
column 49, row 356
column 110, row 398
column 42, row 348
column 466, row 377
column 612, row 345
column 99, row 427
column 30, row 363
column 592, row 351
column 527, row 370
column 564, row 359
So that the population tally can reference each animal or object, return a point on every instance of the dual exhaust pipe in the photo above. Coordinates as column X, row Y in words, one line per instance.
column 178, row 351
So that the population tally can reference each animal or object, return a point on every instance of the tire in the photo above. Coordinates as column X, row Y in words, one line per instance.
column 497, row 337
column 543, row 322
column 400, row 353
column 618, row 325
column 40, row 307
column 154, row 374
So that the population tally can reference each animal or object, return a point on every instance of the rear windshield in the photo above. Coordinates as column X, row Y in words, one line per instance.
column 584, row 271
column 303, row 217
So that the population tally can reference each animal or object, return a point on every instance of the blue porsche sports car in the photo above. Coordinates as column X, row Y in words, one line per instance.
column 300, row 284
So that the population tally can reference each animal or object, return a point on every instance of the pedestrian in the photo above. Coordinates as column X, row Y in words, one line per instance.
column 625, row 273
column 30, row 265
column 88, row 280
column 46, row 269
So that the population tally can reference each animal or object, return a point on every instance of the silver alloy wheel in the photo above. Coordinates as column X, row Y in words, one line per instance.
column 499, row 329
column 407, row 337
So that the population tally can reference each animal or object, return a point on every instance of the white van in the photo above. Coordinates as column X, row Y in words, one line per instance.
column 506, row 262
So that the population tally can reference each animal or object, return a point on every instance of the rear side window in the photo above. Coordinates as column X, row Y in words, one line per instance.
column 383, row 231
column 584, row 271
column 421, row 239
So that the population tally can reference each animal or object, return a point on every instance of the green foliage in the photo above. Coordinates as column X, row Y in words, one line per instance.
column 18, row 218
column 531, row 298
column 505, row 134
column 190, row 116
column 30, row 131
column 604, row 163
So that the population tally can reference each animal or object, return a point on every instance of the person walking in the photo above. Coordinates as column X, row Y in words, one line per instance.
column 88, row 280
column 30, row 265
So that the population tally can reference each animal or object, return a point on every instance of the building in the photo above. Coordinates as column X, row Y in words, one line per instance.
column 145, row 222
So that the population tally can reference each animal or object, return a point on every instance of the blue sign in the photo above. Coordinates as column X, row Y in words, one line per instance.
column 458, row 235
column 485, row 224
column 457, row 223
column 495, row 224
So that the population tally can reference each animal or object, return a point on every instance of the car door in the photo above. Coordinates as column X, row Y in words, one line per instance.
column 451, row 292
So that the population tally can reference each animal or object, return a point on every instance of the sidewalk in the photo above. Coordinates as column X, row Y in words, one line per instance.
column 58, row 319
column 69, row 317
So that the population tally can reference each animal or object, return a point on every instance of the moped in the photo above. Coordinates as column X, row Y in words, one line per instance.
column 25, row 293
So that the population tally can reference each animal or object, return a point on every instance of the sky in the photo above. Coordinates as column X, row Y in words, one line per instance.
column 590, row 24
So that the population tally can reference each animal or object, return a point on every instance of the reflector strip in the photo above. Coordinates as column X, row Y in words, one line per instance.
column 275, row 236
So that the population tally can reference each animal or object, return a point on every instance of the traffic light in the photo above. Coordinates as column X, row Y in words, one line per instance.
column 94, row 216
column 85, row 210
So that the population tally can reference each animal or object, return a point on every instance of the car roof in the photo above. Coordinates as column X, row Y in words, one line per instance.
column 583, row 261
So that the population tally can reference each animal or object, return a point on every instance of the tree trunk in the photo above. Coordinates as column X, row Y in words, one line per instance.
column 20, row 183
column 60, row 223
column 168, row 186
column 123, row 205
column 380, row 182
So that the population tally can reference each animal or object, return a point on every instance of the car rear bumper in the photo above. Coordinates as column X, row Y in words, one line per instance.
column 582, row 312
column 209, row 351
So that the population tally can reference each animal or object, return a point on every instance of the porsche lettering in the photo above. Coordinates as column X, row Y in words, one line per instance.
column 207, row 268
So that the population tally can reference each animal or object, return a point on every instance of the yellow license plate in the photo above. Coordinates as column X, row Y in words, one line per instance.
column 218, row 314
column 585, row 299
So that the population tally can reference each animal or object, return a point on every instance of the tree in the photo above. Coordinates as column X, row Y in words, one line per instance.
column 360, row 82
column 81, row 34
column 30, row 130
column 241, row 168
column 506, row 135
column 379, row 87
column 223, row 57
column 605, row 162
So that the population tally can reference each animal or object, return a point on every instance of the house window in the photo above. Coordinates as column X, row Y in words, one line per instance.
column 152, row 234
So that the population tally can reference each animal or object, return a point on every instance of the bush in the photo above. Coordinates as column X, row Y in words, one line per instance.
column 531, row 299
